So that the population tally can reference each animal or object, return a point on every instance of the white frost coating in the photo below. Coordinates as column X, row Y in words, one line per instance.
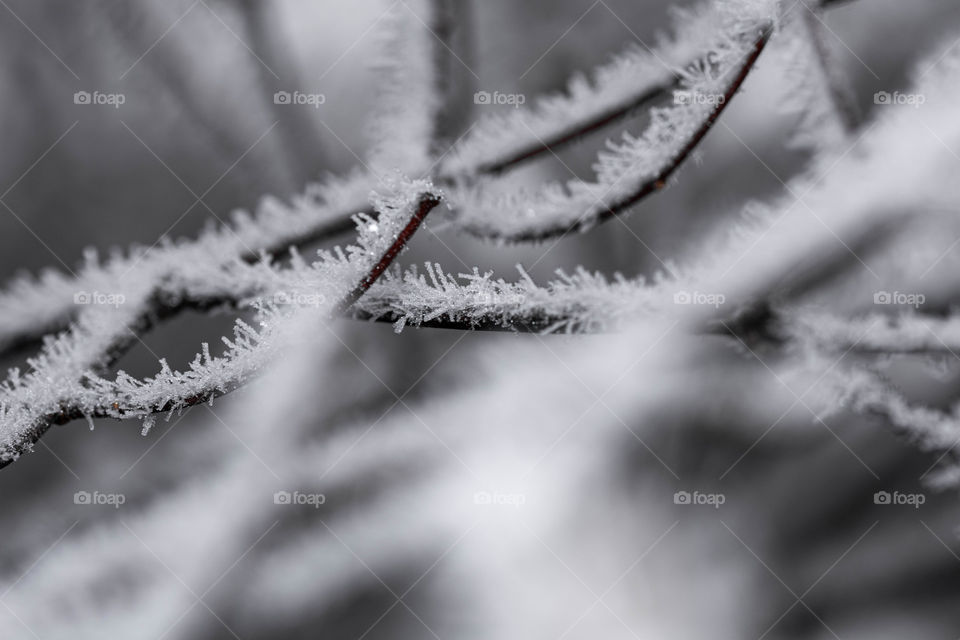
column 56, row 373
column 611, row 87
column 864, row 391
column 31, row 303
column 63, row 377
column 581, row 302
column 904, row 333
column 633, row 162
column 403, row 124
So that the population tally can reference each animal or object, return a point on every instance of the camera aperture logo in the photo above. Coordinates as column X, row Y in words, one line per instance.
column 900, row 298
column 96, row 297
column 896, row 498
column 299, row 299
column 299, row 98
column 699, row 298
column 314, row 500
column 503, row 499
column 515, row 100
column 885, row 98
column 687, row 97
column 97, row 498
column 99, row 98
column 699, row 499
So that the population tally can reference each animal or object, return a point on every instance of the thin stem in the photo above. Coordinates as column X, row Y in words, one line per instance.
column 577, row 130
column 427, row 203
column 657, row 181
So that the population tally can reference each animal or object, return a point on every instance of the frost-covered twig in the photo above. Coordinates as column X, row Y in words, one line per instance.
column 66, row 380
column 579, row 303
column 876, row 333
column 629, row 171
column 400, row 239
column 404, row 122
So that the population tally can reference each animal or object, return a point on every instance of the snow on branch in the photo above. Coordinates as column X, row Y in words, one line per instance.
column 579, row 303
column 403, row 126
column 66, row 380
column 866, row 391
column 31, row 307
column 633, row 168
column 633, row 79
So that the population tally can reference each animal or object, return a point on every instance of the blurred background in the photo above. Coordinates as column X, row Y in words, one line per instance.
column 198, row 135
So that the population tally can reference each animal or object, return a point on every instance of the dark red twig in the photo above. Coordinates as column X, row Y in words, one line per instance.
column 656, row 182
column 427, row 203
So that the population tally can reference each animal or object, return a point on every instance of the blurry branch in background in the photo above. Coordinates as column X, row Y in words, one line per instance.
column 839, row 93
column 277, row 70
column 455, row 52
column 171, row 66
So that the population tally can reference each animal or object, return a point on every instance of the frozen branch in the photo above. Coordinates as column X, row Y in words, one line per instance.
column 628, row 172
column 66, row 379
